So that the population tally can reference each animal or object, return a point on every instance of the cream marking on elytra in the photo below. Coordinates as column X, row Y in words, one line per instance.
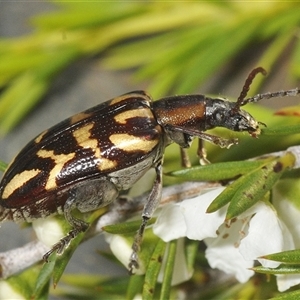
column 84, row 140
column 40, row 137
column 118, row 99
column 128, row 142
column 79, row 117
column 60, row 160
column 106, row 164
column 125, row 97
column 19, row 180
column 122, row 118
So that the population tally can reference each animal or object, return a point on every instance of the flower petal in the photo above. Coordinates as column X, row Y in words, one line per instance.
column 48, row 230
column 267, row 234
column 189, row 218
column 199, row 224
column 284, row 282
column 8, row 292
column 170, row 224
column 289, row 214
column 223, row 253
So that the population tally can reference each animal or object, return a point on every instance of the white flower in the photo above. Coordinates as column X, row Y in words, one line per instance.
column 188, row 218
column 121, row 248
column 223, row 252
column 267, row 234
column 290, row 214
column 7, row 291
column 48, row 230
column 231, row 248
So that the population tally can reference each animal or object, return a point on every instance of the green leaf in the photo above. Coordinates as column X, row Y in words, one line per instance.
column 11, row 65
column 62, row 260
column 209, row 41
column 219, row 171
column 214, row 54
column 28, row 88
column 168, row 271
column 288, row 296
column 251, row 187
column 112, row 286
column 134, row 287
column 279, row 19
column 192, row 250
column 44, row 277
column 295, row 61
column 85, row 14
column 287, row 257
column 271, row 55
column 24, row 282
column 126, row 228
column 83, row 280
column 282, row 130
column 126, row 56
column 283, row 269
column 258, row 184
column 11, row 114
column 86, row 286
column 152, row 271
column 226, row 196
column 3, row 166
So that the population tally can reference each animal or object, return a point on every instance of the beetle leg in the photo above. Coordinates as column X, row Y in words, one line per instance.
column 223, row 143
column 201, row 152
column 185, row 160
column 149, row 208
column 77, row 225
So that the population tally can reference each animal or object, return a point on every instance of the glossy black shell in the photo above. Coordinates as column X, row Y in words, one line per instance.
column 85, row 145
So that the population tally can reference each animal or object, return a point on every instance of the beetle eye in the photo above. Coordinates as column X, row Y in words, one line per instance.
column 219, row 117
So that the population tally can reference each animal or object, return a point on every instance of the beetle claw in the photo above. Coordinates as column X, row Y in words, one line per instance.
column 133, row 262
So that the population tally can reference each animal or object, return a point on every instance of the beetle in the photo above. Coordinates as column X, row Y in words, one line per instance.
column 86, row 160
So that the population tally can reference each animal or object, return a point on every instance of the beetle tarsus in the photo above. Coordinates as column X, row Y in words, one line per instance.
column 133, row 263
column 134, row 259
column 61, row 245
column 64, row 242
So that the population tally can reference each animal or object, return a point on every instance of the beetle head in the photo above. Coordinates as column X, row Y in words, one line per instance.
column 230, row 115
column 222, row 113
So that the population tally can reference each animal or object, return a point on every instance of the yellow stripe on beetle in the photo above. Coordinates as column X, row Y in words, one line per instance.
column 40, row 136
column 129, row 143
column 18, row 181
column 60, row 160
column 122, row 118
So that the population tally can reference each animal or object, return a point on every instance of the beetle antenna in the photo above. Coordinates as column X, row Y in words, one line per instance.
column 290, row 93
column 241, row 99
